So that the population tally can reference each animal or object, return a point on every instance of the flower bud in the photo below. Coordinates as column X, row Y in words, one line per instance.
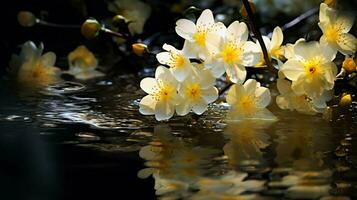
column 26, row 18
column 349, row 64
column 91, row 28
column 345, row 100
column 119, row 20
column 139, row 49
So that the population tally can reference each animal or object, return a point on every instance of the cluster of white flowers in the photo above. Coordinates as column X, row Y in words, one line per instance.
column 307, row 78
column 305, row 81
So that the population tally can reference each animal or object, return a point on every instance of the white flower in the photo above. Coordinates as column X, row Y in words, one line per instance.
column 83, row 64
column 248, row 101
column 162, row 96
column 310, row 68
column 196, row 34
column 288, row 99
column 197, row 91
column 234, row 53
column 180, row 65
column 274, row 46
column 335, row 27
column 32, row 69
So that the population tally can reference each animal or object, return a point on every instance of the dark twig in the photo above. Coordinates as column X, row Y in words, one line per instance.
column 258, row 35
column 224, row 89
column 54, row 25
column 300, row 18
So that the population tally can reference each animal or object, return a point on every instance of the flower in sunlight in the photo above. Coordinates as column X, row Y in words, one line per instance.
column 249, row 101
column 310, row 68
column 135, row 11
column 335, row 27
column 274, row 46
column 32, row 69
column 162, row 97
column 179, row 64
column 288, row 99
column 197, row 91
column 196, row 35
column 234, row 53
column 82, row 64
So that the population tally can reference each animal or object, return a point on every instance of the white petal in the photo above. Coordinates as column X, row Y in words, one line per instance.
column 180, row 73
column 307, row 50
column 48, row 59
column 147, row 105
column 164, row 58
column 250, row 56
column 328, row 52
column 237, row 31
column 263, row 97
column 205, row 20
column 348, row 43
column 292, row 69
column 189, row 49
column 149, row 85
column 325, row 12
column 283, row 86
column 164, row 110
column 185, row 28
column 234, row 93
column 217, row 68
column 210, row 94
column 170, row 48
column 236, row 73
column 199, row 107
column 183, row 108
column 344, row 22
column 277, row 37
column 164, row 74
column 250, row 87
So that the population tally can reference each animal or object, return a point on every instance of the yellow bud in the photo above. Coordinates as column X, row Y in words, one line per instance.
column 349, row 64
column 346, row 100
column 330, row 3
column 26, row 18
column 139, row 49
column 91, row 28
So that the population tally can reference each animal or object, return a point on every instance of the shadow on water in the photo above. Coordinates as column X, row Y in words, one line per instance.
column 89, row 141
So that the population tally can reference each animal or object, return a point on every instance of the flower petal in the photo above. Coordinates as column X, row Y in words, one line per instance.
column 277, row 37
column 210, row 94
column 237, row 31
column 199, row 107
column 236, row 73
column 348, row 43
column 262, row 97
column 205, row 20
column 147, row 105
column 292, row 69
column 183, row 108
column 185, row 28
column 164, row 110
column 234, row 93
column 149, row 85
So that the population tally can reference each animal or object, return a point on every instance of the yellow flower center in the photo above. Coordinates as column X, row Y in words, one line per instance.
column 200, row 38
column 165, row 93
column 332, row 34
column 277, row 52
column 230, row 54
column 312, row 67
column 179, row 61
column 246, row 104
column 193, row 92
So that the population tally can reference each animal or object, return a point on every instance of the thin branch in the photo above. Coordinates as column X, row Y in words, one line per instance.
column 258, row 35
column 300, row 18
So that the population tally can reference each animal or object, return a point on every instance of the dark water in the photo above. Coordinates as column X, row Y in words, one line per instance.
column 88, row 141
